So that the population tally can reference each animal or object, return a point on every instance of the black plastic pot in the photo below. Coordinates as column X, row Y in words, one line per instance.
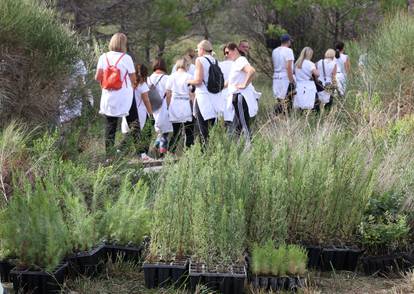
column 327, row 258
column 276, row 284
column 38, row 282
column 314, row 256
column 5, row 268
column 229, row 282
column 89, row 263
column 125, row 253
column 352, row 259
column 162, row 274
column 392, row 263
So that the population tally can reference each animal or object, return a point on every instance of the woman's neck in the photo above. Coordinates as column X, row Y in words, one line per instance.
column 158, row 71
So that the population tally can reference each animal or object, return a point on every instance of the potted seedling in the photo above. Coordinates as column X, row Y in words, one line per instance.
column 33, row 229
column 126, row 222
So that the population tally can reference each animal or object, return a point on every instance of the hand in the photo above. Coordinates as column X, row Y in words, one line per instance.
column 241, row 86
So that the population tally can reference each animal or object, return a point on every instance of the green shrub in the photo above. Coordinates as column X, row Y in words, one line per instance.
column 33, row 228
column 126, row 220
column 297, row 259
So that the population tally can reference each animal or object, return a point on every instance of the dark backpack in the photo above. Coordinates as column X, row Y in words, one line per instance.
column 215, row 81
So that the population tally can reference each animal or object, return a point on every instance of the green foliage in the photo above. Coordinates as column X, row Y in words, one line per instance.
column 268, row 260
column 127, row 219
column 28, row 24
column 33, row 227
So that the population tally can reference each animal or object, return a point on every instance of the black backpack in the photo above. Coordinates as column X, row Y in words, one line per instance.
column 215, row 81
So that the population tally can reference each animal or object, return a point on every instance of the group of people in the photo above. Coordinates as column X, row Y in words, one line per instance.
column 305, row 82
column 200, row 90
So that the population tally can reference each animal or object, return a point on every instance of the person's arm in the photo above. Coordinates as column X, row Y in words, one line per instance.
column 289, row 66
column 250, row 71
column 347, row 66
column 133, row 78
column 168, row 94
column 334, row 73
column 99, row 75
column 145, row 99
column 315, row 72
column 198, row 75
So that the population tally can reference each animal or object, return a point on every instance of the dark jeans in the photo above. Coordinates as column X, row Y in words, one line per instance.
column 110, row 130
column 177, row 130
column 203, row 125
column 241, row 122
column 133, row 124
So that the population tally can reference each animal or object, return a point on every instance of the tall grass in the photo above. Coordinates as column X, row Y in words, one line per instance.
column 385, row 83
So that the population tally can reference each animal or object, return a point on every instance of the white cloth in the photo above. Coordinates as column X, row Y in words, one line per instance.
column 191, row 69
column 71, row 107
column 208, row 103
column 180, row 108
column 325, row 77
column 341, row 77
column 305, row 87
column 117, row 103
column 238, row 76
column 162, row 122
column 280, row 56
column 141, row 109
column 226, row 111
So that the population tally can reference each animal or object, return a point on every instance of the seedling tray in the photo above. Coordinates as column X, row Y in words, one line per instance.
column 126, row 253
column 39, row 282
column 333, row 258
column 88, row 263
column 273, row 283
column 5, row 268
column 227, row 282
column 385, row 264
column 163, row 274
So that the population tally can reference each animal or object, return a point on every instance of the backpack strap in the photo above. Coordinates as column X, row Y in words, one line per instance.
column 323, row 67
column 119, row 59
column 159, row 80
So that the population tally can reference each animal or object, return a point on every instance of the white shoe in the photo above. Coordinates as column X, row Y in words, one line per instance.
column 145, row 157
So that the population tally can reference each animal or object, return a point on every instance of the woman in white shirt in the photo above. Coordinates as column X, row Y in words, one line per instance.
column 162, row 125
column 243, row 96
column 327, row 71
column 305, row 72
column 225, row 67
column 115, row 104
column 206, row 105
column 179, row 99
column 141, row 107
column 343, row 67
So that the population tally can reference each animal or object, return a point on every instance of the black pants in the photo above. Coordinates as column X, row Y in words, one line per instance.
column 177, row 130
column 110, row 131
column 241, row 118
column 133, row 124
column 203, row 124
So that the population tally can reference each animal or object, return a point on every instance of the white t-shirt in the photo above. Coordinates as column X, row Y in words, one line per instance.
column 326, row 77
column 225, row 67
column 237, row 75
column 117, row 103
column 180, row 107
column 191, row 69
column 305, row 73
column 341, row 63
column 280, row 56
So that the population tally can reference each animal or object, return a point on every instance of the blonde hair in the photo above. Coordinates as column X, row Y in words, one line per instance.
column 206, row 45
column 182, row 63
column 330, row 54
column 306, row 53
column 118, row 43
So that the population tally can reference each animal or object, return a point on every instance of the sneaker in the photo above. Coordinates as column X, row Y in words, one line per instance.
column 145, row 157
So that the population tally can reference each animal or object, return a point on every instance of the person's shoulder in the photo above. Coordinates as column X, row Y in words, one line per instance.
column 143, row 87
column 242, row 59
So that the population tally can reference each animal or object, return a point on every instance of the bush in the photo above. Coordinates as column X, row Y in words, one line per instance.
column 33, row 228
column 126, row 220
column 38, row 54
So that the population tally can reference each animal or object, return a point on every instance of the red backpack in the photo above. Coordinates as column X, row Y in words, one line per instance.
column 112, row 76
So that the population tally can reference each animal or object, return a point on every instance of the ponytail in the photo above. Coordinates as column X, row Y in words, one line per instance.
column 338, row 48
column 337, row 53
